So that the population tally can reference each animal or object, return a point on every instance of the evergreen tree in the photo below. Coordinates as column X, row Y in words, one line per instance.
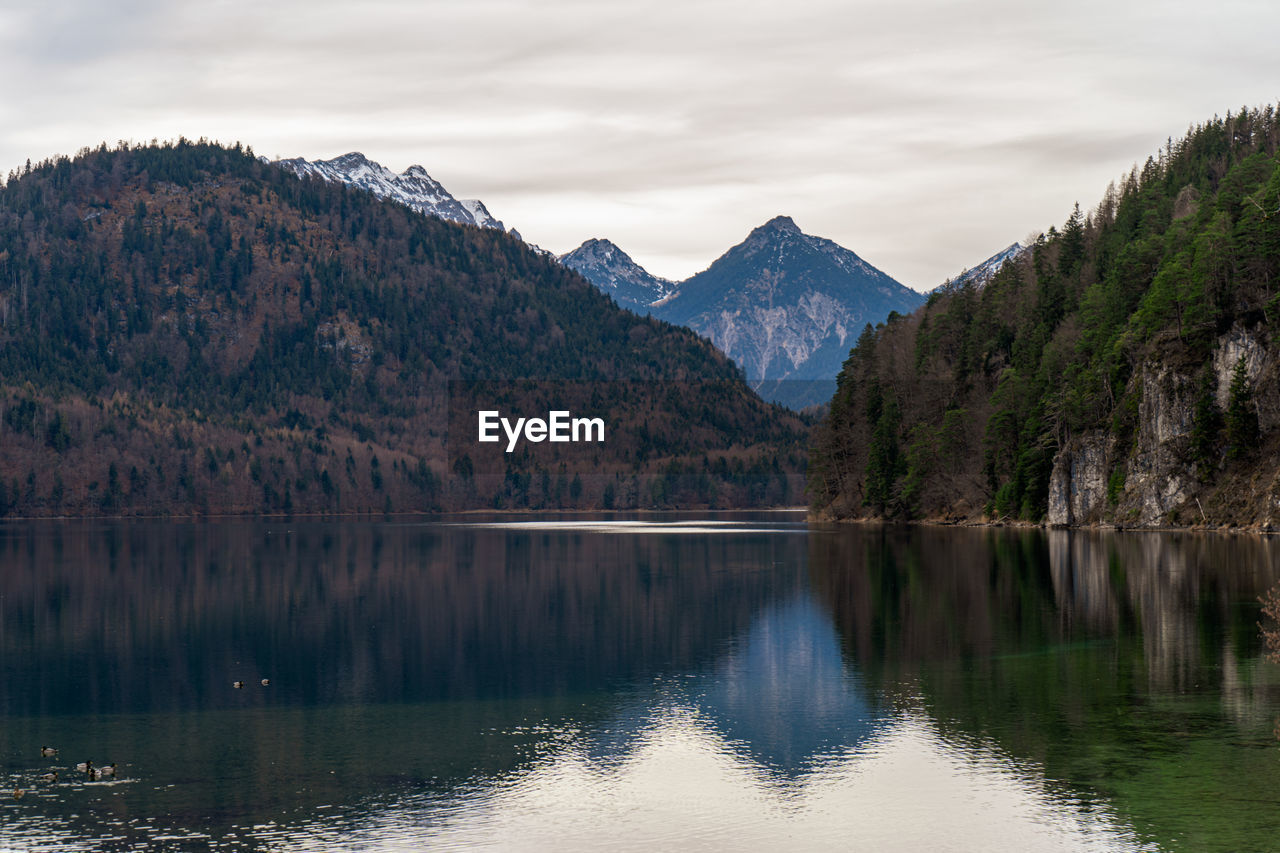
column 883, row 457
column 1206, row 426
column 1071, row 251
column 1242, row 415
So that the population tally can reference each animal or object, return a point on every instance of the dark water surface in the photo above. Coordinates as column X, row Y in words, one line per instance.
column 742, row 682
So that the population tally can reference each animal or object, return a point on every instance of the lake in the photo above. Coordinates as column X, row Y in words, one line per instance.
column 718, row 682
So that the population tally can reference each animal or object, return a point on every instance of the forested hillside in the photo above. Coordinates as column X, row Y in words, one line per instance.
column 1123, row 370
column 186, row 329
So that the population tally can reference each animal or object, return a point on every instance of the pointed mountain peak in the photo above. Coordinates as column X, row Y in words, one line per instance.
column 612, row 270
column 979, row 275
column 786, row 305
column 778, row 230
column 602, row 252
column 781, row 223
column 599, row 246
column 352, row 167
column 778, row 233
column 350, row 160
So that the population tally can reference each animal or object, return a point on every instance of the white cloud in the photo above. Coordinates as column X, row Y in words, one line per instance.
column 924, row 136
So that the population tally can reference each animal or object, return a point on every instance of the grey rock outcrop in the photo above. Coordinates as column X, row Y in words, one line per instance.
column 1078, row 484
column 1160, row 475
column 1162, row 481
column 1236, row 344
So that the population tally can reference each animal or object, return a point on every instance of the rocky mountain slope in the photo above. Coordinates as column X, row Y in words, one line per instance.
column 1162, row 477
column 784, row 305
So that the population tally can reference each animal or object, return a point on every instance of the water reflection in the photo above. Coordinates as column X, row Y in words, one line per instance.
column 400, row 656
column 1271, row 631
column 589, row 684
column 1172, row 588
column 1122, row 665
column 684, row 787
column 783, row 695
column 150, row 616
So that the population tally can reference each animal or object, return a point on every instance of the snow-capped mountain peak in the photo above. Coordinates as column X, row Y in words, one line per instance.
column 414, row 187
column 613, row 271
column 785, row 305
column 781, row 223
column 985, row 271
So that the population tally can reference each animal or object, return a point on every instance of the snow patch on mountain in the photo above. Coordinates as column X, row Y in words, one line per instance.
column 983, row 272
column 413, row 188
column 785, row 305
column 612, row 270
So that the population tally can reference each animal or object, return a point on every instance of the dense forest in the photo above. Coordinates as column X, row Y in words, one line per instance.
column 1122, row 370
column 185, row 328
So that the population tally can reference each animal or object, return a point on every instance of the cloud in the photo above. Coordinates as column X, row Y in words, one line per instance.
column 922, row 135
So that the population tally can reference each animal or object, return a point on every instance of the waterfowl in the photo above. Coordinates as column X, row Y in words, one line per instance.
column 237, row 684
column 50, row 778
column 17, row 793
column 99, row 773
column 84, row 766
column 48, row 752
column 266, row 681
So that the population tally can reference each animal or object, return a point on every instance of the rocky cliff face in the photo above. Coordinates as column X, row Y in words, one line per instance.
column 1159, row 474
column 1236, row 344
column 1078, row 486
column 1156, row 481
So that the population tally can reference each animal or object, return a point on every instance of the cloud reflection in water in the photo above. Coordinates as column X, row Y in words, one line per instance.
column 776, row 746
column 683, row 786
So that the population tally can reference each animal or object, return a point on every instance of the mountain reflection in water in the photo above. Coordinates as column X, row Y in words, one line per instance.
column 720, row 684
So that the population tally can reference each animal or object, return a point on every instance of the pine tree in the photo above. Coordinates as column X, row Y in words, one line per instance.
column 1072, row 251
column 1206, row 426
column 1242, row 416
column 884, row 461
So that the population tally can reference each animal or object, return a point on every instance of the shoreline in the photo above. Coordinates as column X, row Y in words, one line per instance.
column 809, row 516
column 1258, row 530
column 345, row 516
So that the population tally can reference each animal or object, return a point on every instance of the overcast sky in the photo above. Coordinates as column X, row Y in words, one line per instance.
column 925, row 136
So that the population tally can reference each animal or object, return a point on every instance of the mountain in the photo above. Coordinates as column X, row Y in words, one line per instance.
column 613, row 271
column 186, row 329
column 787, row 306
column 985, row 271
column 783, row 305
column 413, row 188
column 1122, row 370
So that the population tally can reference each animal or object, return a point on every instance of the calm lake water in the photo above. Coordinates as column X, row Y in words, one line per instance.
column 739, row 682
